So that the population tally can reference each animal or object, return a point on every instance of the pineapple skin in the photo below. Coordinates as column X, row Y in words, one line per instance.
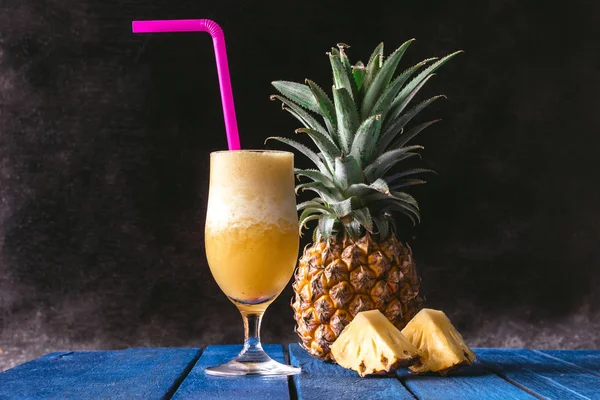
column 336, row 280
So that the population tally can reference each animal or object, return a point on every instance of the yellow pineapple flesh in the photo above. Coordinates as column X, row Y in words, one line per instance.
column 441, row 347
column 371, row 344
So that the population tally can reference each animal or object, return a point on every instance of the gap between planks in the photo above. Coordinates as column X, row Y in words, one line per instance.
column 406, row 387
column 589, row 371
column 512, row 382
column 291, row 385
column 171, row 392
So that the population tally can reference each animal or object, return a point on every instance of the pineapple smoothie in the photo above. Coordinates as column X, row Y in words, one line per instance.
column 251, row 233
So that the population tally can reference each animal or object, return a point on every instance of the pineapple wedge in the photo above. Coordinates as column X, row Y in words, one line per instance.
column 441, row 347
column 371, row 344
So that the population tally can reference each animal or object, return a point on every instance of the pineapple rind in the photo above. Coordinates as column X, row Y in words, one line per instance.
column 337, row 280
column 372, row 345
column 441, row 346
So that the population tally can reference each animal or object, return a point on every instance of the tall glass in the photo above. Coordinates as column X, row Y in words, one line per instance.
column 251, row 239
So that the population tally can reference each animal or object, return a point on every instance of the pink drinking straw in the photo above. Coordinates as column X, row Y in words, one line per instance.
column 204, row 25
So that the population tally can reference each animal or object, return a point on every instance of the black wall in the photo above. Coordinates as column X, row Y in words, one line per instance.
column 105, row 136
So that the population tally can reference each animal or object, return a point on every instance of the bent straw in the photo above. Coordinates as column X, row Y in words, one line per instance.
column 204, row 25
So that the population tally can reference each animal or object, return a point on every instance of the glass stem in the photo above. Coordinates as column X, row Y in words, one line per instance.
column 252, row 351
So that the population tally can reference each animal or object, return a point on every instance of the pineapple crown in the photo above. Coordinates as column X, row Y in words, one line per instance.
column 362, row 138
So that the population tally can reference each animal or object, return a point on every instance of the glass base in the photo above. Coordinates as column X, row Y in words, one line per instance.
column 264, row 368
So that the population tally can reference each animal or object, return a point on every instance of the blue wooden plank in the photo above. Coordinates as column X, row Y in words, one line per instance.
column 469, row 382
column 570, row 376
column 199, row 385
column 589, row 359
column 126, row 374
column 510, row 364
column 321, row 380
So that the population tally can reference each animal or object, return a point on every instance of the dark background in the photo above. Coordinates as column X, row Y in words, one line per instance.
column 105, row 136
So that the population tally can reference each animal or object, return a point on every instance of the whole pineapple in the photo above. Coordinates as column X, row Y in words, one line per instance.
column 356, row 263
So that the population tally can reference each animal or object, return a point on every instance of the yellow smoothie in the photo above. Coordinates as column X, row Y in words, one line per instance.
column 251, row 233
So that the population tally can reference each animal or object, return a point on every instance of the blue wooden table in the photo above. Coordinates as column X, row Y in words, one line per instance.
column 179, row 374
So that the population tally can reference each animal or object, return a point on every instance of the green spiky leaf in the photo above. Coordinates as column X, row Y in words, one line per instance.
column 382, row 80
column 345, row 207
column 326, row 226
column 347, row 117
column 408, row 172
column 304, row 150
column 328, row 149
column 353, row 228
column 326, row 193
column 298, row 93
column 403, row 99
column 365, row 140
column 383, row 226
column 315, row 175
column 405, row 197
column 311, row 204
column 361, row 190
column 341, row 77
column 391, row 204
column 358, row 72
column 304, row 117
column 376, row 56
column 408, row 182
column 313, row 210
column 385, row 101
column 410, row 87
column 375, row 199
column 380, row 185
column 363, row 216
column 387, row 160
column 371, row 72
column 408, row 136
column 389, row 135
column 302, row 221
column 347, row 171
column 315, row 235
column 348, row 67
column 373, row 67
column 326, row 107
column 390, row 132
column 405, row 209
column 393, row 225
